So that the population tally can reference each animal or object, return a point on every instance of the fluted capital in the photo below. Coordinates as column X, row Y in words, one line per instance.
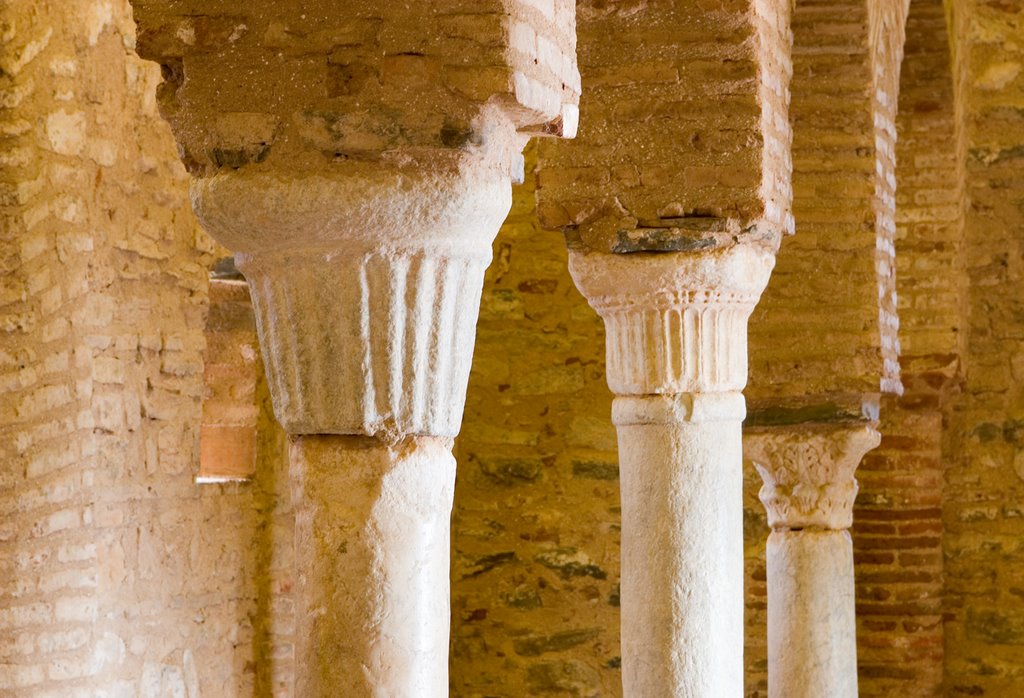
column 808, row 471
column 675, row 322
column 366, row 286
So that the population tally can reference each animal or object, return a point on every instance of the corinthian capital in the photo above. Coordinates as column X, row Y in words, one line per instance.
column 808, row 471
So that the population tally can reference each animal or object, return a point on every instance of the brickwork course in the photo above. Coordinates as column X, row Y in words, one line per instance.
column 982, row 442
column 104, row 297
column 125, row 371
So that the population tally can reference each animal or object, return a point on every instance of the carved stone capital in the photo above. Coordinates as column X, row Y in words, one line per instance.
column 808, row 471
column 366, row 287
column 675, row 322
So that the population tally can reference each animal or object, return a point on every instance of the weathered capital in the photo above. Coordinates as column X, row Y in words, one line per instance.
column 808, row 471
column 675, row 322
column 366, row 286
column 359, row 164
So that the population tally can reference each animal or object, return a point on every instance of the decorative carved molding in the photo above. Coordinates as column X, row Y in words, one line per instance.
column 808, row 472
column 675, row 322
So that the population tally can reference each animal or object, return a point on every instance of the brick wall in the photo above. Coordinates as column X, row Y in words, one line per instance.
column 898, row 518
column 684, row 142
column 121, row 576
column 336, row 89
column 834, row 279
column 231, row 372
column 49, row 578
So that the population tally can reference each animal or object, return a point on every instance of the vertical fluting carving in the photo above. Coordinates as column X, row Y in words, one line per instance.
column 398, row 345
column 686, row 345
column 674, row 323
column 367, row 319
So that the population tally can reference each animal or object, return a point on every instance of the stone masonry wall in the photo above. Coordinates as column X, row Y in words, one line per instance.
column 982, row 515
column 535, row 554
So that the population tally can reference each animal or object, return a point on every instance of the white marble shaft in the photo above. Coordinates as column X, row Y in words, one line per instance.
column 677, row 360
column 812, row 628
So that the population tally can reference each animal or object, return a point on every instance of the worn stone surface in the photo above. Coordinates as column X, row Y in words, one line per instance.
column 119, row 575
column 808, row 472
column 981, row 513
column 359, row 164
column 682, row 556
column 336, row 87
column 676, row 359
column 366, row 288
column 366, row 159
column 371, row 553
column 812, row 642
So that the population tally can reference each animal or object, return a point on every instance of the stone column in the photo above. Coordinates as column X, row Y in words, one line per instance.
column 677, row 360
column 359, row 165
column 809, row 489
column 372, row 539
column 367, row 319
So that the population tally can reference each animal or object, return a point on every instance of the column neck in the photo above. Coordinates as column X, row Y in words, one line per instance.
column 682, row 408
